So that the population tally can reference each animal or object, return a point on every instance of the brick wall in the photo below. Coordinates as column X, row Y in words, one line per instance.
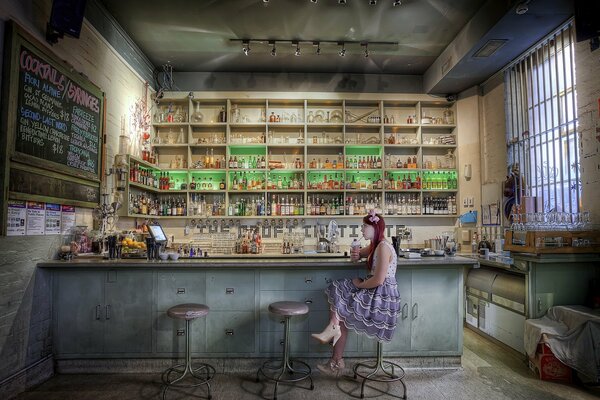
column 25, row 307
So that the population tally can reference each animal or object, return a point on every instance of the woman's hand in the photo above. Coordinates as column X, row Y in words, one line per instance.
column 356, row 282
column 355, row 254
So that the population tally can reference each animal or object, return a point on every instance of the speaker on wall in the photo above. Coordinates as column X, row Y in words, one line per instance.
column 587, row 22
column 65, row 19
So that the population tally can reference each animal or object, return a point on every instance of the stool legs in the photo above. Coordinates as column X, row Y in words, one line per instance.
column 281, row 367
column 202, row 374
column 371, row 370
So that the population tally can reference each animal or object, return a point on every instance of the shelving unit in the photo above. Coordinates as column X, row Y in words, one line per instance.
column 303, row 151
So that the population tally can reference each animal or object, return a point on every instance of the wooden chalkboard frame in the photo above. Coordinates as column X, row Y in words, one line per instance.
column 29, row 167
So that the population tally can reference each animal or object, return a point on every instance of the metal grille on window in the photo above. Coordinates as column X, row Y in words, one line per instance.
column 542, row 121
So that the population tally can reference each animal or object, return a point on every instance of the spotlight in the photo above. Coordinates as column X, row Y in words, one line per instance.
column 372, row 2
column 367, row 50
column 522, row 8
column 297, row 52
column 397, row 3
column 342, row 52
column 341, row 1
column 313, row 1
column 318, row 48
column 273, row 51
column 246, row 47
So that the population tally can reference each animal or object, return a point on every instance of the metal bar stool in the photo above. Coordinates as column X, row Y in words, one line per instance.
column 274, row 370
column 201, row 373
column 370, row 370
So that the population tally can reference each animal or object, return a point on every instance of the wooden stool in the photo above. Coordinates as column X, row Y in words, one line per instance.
column 370, row 370
column 274, row 370
column 201, row 373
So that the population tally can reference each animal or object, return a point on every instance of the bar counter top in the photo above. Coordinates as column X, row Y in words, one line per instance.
column 250, row 261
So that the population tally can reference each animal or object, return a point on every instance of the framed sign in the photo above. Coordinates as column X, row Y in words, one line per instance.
column 53, row 126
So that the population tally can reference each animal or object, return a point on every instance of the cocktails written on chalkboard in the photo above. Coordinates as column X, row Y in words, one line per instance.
column 57, row 119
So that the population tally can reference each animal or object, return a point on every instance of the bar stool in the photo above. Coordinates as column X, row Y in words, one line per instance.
column 201, row 373
column 370, row 370
column 277, row 368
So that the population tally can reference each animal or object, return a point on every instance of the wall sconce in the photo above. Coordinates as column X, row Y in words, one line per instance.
column 468, row 172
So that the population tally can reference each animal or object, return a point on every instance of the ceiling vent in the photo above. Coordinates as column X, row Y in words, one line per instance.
column 490, row 48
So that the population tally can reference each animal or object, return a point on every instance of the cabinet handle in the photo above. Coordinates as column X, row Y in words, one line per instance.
column 307, row 280
column 108, row 311
column 180, row 332
column 98, row 311
column 308, row 301
column 229, row 332
column 282, row 321
column 405, row 311
column 281, row 342
column 415, row 310
column 229, row 290
column 181, row 290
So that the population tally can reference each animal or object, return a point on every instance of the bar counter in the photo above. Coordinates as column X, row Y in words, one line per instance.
column 250, row 260
column 116, row 309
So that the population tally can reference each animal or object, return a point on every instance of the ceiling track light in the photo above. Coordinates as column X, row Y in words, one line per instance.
column 341, row 1
column 313, row 1
column 397, row 3
column 316, row 43
column 372, row 2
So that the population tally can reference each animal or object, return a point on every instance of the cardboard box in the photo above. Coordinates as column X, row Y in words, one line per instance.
column 548, row 367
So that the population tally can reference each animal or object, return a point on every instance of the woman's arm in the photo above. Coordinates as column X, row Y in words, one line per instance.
column 381, row 269
column 365, row 251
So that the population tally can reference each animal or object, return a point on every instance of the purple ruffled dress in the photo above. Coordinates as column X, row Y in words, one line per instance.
column 373, row 312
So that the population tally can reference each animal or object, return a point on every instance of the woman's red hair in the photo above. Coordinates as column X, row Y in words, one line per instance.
column 377, row 237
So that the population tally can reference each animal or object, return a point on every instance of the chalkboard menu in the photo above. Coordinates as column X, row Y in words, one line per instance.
column 58, row 115
column 58, row 120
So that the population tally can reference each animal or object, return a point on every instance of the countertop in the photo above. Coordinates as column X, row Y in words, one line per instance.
column 265, row 262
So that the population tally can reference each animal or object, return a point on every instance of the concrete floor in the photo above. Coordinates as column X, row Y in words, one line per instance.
column 489, row 372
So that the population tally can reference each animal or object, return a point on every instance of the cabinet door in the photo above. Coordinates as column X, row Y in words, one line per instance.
column 179, row 287
column 78, row 312
column 171, row 334
column 435, row 309
column 288, row 280
column 128, row 312
column 230, row 290
column 230, row 332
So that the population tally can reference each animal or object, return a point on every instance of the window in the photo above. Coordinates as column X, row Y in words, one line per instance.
column 542, row 121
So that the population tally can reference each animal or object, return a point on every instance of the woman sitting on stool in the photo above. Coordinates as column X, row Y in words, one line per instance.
column 369, row 306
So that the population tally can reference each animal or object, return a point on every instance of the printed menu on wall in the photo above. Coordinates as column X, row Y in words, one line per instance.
column 67, row 221
column 36, row 218
column 17, row 215
column 53, row 219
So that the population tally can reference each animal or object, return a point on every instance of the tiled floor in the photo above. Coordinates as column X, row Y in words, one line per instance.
column 489, row 372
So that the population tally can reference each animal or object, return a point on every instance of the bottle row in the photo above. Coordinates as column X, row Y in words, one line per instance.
column 251, row 179
column 297, row 111
column 289, row 205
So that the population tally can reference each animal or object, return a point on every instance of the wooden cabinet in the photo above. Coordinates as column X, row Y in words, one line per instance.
column 396, row 155
column 99, row 312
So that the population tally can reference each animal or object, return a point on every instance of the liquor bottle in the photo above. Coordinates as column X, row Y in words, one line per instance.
column 222, row 185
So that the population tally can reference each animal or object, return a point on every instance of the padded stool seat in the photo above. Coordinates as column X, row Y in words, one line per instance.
column 286, row 370
column 188, row 311
column 288, row 308
column 199, row 373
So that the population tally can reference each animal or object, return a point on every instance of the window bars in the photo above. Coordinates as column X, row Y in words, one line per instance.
column 541, row 112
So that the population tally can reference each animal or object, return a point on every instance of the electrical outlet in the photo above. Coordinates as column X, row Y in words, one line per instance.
column 471, row 201
column 466, row 201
